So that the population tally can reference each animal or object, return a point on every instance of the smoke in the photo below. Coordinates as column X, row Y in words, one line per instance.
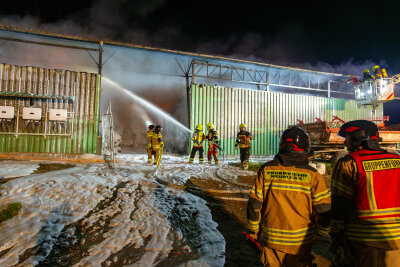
column 349, row 67
column 144, row 22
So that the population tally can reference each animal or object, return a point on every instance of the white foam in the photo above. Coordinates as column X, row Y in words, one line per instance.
column 10, row 169
column 142, row 209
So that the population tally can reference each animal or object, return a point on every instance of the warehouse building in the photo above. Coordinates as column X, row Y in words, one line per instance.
column 54, row 89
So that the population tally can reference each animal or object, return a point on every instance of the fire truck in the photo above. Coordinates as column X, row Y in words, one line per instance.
column 327, row 145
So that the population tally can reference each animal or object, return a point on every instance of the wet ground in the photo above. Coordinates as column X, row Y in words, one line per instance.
column 229, row 211
column 178, row 190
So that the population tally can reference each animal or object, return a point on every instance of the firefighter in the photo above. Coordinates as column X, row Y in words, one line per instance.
column 149, row 135
column 377, row 71
column 157, row 144
column 365, row 226
column 284, row 201
column 213, row 143
column 198, row 138
column 243, row 140
column 367, row 76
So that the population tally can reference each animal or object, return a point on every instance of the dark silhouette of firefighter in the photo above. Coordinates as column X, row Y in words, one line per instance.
column 289, row 205
column 149, row 136
column 198, row 139
column 367, row 76
column 365, row 226
column 213, row 143
column 243, row 140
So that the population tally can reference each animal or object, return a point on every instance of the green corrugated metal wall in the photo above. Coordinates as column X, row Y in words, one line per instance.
column 266, row 114
column 85, row 87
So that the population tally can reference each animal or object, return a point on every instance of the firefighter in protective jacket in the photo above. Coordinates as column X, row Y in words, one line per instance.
column 243, row 140
column 149, row 135
column 365, row 200
column 285, row 197
column 367, row 76
column 198, row 138
column 377, row 71
column 213, row 143
column 157, row 144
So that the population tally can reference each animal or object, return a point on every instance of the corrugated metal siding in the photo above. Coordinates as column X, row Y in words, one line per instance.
column 266, row 114
column 57, row 83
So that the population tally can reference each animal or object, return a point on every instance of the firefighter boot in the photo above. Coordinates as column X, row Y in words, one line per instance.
column 216, row 159
column 191, row 160
column 245, row 165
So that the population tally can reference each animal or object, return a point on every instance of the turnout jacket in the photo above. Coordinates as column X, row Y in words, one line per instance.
column 243, row 139
column 284, row 197
column 198, row 138
column 156, row 141
column 366, row 199
column 149, row 135
column 212, row 137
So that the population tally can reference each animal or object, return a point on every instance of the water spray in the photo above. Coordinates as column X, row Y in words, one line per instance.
column 148, row 105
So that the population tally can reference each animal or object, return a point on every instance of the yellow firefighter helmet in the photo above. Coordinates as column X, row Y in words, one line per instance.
column 376, row 67
column 366, row 71
column 210, row 126
column 242, row 125
column 199, row 127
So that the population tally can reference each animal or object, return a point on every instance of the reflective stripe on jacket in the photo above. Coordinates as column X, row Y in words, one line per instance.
column 212, row 137
column 243, row 139
column 198, row 138
column 149, row 135
column 156, row 141
column 346, row 191
column 377, row 196
column 282, row 201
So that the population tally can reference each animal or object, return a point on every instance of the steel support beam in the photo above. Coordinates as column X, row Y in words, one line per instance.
column 48, row 44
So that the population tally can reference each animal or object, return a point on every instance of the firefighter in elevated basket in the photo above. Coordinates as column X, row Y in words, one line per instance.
column 365, row 226
column 243, row 140
column 213, row 143
column 285, row 197
column 157, row 144
column 149, row 135
column 198, row 138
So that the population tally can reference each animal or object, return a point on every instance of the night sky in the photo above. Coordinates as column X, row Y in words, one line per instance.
column 335, row 36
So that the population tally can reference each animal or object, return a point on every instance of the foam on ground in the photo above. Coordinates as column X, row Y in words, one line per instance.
column 126, row 211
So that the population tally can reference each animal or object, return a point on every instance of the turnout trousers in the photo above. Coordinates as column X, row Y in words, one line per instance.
column 193, row 154
column 213, row 153
column 149, row 154
column 374, row 257
column 275, row 258
column 244, row 157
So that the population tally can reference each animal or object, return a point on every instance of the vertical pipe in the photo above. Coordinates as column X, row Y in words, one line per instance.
column 188, row 97
column 96, row 113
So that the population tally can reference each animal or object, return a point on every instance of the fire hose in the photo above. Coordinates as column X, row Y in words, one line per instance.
column 223, row 153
